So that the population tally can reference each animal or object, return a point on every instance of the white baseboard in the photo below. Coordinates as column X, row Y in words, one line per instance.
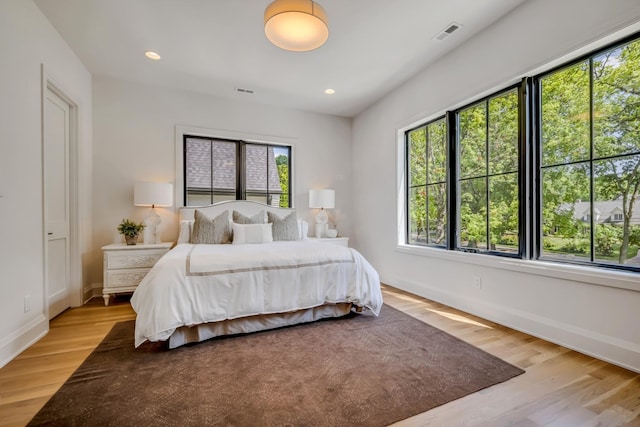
column 610, row 349
column 23, row 338
column 92, row 291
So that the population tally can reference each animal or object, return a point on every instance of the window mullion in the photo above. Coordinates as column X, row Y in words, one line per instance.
column 427, row 227
column 525, row 180
column 241, row 191
column 592, row 186
column 407, row 157
column 452, row 180
column 486, row 171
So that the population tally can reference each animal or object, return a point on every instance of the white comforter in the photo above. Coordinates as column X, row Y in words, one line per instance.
column 195, row 284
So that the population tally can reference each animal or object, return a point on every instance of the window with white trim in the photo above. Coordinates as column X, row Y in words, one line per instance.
column 218, row 169
column 547, row 169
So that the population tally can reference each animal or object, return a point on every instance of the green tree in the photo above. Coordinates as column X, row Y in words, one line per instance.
column 282, row 162
column 427, row 148
column 616, row 120
column 488, row 184
column 565, row 139
column 591, row 135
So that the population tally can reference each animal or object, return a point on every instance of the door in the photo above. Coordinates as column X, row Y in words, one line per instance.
column 56, row 199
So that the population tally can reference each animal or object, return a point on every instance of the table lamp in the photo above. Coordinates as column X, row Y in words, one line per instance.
column 322, row 199
column 152, row 194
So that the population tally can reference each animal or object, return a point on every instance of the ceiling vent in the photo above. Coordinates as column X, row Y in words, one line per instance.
column 241, row 90
column 451, row 28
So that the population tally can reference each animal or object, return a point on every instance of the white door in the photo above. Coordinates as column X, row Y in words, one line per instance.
column 56, row 198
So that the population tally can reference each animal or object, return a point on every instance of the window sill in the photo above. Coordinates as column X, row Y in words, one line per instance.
column 590, row 275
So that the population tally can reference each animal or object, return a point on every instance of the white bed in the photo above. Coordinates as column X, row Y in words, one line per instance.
column 199, row 291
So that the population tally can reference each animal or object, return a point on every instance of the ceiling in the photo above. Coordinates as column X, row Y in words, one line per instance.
column 216, row 46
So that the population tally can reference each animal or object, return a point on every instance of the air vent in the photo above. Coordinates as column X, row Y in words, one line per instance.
column 242, row 90
column 451, row 28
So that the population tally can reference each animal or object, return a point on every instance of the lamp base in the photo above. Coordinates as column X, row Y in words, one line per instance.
column 321, row 230
column 151, row 232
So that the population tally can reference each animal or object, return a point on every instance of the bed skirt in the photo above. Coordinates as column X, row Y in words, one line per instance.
column 202, row 332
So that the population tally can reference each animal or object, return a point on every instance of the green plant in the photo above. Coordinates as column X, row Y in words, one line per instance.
column 130, row 228
column 576, row 246
column 607, row 238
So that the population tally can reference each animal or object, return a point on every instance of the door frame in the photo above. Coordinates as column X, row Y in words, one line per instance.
column 50, row 82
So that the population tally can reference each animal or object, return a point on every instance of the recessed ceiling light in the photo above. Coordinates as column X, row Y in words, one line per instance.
column 329, row 91
column 152, row 55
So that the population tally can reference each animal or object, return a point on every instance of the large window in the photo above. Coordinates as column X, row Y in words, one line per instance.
column 218, row 169
column 590, row 159
column 549, row 169
column 480, row 211
column 488, row 173
column 427, row 166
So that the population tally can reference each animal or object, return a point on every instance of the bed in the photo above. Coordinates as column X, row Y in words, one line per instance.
column 242, row 267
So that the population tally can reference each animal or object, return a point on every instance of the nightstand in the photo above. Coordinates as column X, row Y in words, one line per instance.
column 126, row 265
column 342, row 241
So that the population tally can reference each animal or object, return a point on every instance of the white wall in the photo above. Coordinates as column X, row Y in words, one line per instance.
column 562, row 306
column 134, row 140
column 27, row 40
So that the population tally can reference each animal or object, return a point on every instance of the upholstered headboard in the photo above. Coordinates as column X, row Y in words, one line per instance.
column 245, row 207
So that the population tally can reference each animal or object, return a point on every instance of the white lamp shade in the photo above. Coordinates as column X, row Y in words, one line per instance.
column 322, row 199
column 153, row 194
column 296, row 25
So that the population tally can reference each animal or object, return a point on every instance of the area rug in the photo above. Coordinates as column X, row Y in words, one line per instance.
column 355, row 371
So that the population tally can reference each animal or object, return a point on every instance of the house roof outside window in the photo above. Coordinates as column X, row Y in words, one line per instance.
column 605, row 211
column 213, row 164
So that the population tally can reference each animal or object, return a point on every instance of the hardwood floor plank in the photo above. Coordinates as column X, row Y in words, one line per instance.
column 559, row 388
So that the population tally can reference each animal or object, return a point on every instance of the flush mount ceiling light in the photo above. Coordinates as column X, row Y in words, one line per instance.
column 296, row 25
column 152, row 55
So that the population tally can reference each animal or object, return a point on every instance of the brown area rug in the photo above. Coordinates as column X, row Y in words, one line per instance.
column 356, row 371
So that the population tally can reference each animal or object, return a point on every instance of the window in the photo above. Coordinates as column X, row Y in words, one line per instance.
column 219, row 169
column 548, row 169
column 590, row 158
column 488, row 173
column 427, row 177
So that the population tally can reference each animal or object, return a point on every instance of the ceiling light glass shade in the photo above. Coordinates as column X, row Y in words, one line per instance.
column 296, row 25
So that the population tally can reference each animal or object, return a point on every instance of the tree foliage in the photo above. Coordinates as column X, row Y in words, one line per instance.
column 602, row 97
column 282, row 163
column 427, row 147
column 589, row 161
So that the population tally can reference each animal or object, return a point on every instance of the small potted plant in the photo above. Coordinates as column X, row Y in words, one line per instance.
column 130, row 230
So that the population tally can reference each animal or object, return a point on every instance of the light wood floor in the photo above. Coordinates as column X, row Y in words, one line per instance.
column 560, row 387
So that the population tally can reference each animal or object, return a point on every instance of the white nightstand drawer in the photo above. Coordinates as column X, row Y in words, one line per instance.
column 124, row 278
column 133, row 259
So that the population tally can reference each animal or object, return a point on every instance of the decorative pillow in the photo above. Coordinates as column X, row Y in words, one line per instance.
column 252, row 233
column 303, row 229
column 284, row 228
column 184, row 235
column 206, row 230
column 258, row 218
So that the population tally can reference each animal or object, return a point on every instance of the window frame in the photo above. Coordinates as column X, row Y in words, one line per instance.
column 521, row 92
column 426, row 184
column 529, row 181
column 537, row 239
column 451, row 119
column 184, row 133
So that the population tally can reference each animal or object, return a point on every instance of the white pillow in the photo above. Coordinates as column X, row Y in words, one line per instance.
column 303, row 229
column 252, row 233
column 184, row 235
